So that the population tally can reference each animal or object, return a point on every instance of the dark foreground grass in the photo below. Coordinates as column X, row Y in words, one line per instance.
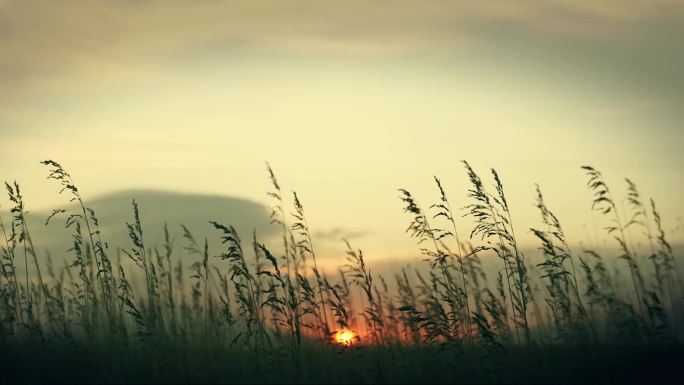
column 61, row 363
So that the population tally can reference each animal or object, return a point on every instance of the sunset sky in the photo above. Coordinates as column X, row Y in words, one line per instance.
column 348, row 101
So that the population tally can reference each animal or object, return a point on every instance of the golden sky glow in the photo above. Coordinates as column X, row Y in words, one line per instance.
column 348, row 101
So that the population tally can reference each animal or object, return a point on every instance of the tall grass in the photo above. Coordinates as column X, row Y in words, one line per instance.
column 275, row 313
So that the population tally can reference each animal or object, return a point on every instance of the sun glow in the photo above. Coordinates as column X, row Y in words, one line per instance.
column 345, row 337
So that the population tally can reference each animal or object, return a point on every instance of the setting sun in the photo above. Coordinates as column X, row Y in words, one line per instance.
column 345, row 337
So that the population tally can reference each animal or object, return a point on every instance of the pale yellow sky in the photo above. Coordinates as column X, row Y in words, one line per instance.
column 348, row 101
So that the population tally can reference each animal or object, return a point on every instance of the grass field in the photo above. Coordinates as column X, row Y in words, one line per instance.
column 265, row 313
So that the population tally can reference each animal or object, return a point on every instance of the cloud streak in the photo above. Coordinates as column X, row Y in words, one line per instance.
column 41, row 40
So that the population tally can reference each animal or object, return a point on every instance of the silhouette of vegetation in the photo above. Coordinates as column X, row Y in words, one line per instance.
column 170, row 314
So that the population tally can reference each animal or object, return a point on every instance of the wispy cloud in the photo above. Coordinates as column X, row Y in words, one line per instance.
column 41, row 39
column 337, row 234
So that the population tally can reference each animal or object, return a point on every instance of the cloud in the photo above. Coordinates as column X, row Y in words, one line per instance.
column 157, row 208
column 41, row 40
column 337, row 235
column 56, row 52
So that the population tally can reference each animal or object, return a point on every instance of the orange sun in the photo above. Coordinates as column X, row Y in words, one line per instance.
column 345, row 337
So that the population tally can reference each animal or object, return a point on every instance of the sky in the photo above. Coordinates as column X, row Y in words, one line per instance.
column 348, row 101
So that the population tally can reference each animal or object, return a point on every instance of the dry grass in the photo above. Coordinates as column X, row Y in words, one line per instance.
column 269, row 314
